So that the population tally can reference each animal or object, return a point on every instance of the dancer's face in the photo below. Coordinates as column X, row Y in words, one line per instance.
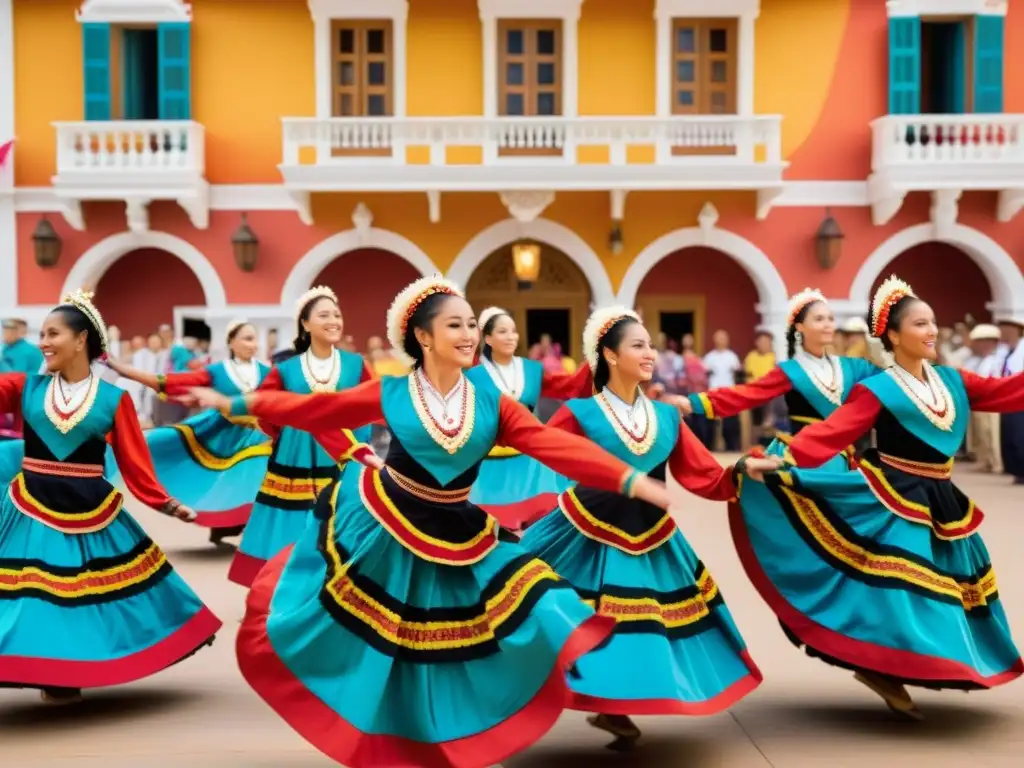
column 634, row 357
column 243, row 345
column 324, row 323
column 454, row 335
column 504, row 339
column 59, row 343
column 818, row 326
column 917, row 333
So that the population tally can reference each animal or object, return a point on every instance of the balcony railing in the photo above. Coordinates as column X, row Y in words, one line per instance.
column 706, row 139
column 957, row 140
column 156, row 149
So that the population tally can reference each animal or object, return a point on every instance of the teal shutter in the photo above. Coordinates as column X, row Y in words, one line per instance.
column 904, row 66
column 175, row 79
column 988, row 64
column 96, row 70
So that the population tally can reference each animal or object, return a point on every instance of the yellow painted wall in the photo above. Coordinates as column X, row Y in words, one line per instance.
column 445, row 59
column 616, row 58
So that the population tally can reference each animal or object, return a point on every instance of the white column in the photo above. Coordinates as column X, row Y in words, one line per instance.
column 745, row 59
column 8, row 220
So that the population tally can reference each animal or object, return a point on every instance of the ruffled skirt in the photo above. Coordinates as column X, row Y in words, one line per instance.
column 517, row 489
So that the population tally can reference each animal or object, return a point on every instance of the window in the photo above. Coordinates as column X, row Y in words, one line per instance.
column 530, row 68
column 362, row 68
column 136, row 69
column 704, row 72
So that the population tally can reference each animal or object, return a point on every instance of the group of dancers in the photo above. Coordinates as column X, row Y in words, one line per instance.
column 442, row 607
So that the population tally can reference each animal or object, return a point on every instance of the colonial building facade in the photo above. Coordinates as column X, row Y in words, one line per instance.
column 699, row 160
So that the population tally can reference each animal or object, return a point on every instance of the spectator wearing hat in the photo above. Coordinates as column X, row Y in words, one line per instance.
column 984, row 427
column 1011, row 331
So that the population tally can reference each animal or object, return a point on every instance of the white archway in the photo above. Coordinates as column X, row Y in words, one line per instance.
column 1004, row 276
column 545, row 231
column 94, row 263
column 300, row 279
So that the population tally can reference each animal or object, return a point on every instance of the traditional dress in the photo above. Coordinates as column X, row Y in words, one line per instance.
column 813, row 388
column 675, row 649
column 883, row 569
column 298, row 468
column 515, row 488
column 1011, row 430
column 402, row 631
column 210, row 463
column 86, row 598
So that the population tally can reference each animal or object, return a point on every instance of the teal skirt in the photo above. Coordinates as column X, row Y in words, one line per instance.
column 517, row 489
column 382, row 658
column 878, row 570
column 95, row 607
column 675, row 649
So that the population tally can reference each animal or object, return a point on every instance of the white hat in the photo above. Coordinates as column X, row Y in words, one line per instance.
column 855, row 325
column 985, row 332
column 1009, row 320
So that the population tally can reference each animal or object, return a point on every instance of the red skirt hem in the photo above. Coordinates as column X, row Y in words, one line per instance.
column 34, row 672
column 245, row 568
column 227, row 518
column 895, row 662
column 523, row 513
column 722, row 701
column 322, row 727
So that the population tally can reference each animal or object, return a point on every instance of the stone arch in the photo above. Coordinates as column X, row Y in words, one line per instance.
column 548, row 232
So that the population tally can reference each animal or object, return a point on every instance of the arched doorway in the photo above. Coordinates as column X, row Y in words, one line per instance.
column 946, row 277
column 366, row 281
column 557, row 304
column 140, row 291
column 699, row 290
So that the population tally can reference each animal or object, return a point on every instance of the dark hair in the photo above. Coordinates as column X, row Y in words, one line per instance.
column 487, row 330
column 896, row 313
column 79, row 322
column 234, row 332
column 611, row 340
column 422, row 318
column 791, row 331
column 302, row 338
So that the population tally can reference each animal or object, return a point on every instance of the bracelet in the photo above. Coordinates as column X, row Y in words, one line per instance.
column 161, row 384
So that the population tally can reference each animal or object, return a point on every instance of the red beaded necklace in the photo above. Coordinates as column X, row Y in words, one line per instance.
column 447, row 431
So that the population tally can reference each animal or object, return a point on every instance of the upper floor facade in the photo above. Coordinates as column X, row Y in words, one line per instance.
column 137, row 100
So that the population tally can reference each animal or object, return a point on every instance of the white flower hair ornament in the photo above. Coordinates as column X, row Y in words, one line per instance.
column 233, row 327
column 887, row 296
column 405, row 305
column 489, row 314
column 82, row 301
column 598, row 324
column 805, row 298
column 314, row 293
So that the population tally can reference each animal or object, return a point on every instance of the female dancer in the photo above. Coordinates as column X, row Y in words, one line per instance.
column 512, row 487
column 813, row 382
column 299, row 468
column 882, row 570
column 402, row 631
column 213, row 464
column 675, row 650
column 86, row 598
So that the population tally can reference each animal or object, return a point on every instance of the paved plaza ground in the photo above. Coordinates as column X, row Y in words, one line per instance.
column 201, row 714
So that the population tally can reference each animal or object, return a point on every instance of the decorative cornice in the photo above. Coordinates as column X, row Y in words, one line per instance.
column 134, row 11
column 326, row 10
column 688, row 9
column 567, row 10
column 904, row 8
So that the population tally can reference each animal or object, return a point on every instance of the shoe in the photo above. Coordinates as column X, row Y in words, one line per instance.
column 893, row 694
column 60, row 697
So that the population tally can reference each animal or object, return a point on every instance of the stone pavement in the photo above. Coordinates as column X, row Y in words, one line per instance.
column 805, row 715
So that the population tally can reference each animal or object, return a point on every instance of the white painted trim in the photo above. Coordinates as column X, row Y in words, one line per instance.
column 498, row 235
column 745, row 11
column 91, row 265
column 492, row 11
column 1003, row 275
column 771, row 289
column 134, row 12
column 819, row 194
column 897, row 8
column 326, row 11
column 323, row 253
column 8, row 218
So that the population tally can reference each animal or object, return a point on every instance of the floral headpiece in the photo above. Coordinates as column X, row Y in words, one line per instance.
column 82, row 301
column 489, row 314
column 805, row 298
column 314, row 293
column 233, row 326
column 887, row 296
column 598, row 324
column 407, row 302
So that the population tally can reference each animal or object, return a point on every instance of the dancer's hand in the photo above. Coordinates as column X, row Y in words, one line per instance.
column 211, row 398
column 373, row 461
column 756, row 467
column 175, row 508
column 652, row 491
column 682, row 402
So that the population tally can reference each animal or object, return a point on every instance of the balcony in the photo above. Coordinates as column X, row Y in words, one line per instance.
column 946, row 155
column 135, row 161
column 475, row 154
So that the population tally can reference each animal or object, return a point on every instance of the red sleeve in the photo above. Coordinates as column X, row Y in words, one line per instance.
column 994, row 395
column 271, row 383
column 569, row 455
column 730, row 401
column 133, row 457
column 565, row 421
column 819, row 442
column 11, row 387
column 697, row 470
column 367, row 374
column 180, row 383
column 566, row 386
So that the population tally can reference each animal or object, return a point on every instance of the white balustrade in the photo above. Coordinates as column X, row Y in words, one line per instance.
column 709, row 139
column 900, row 141
column 158, row 147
